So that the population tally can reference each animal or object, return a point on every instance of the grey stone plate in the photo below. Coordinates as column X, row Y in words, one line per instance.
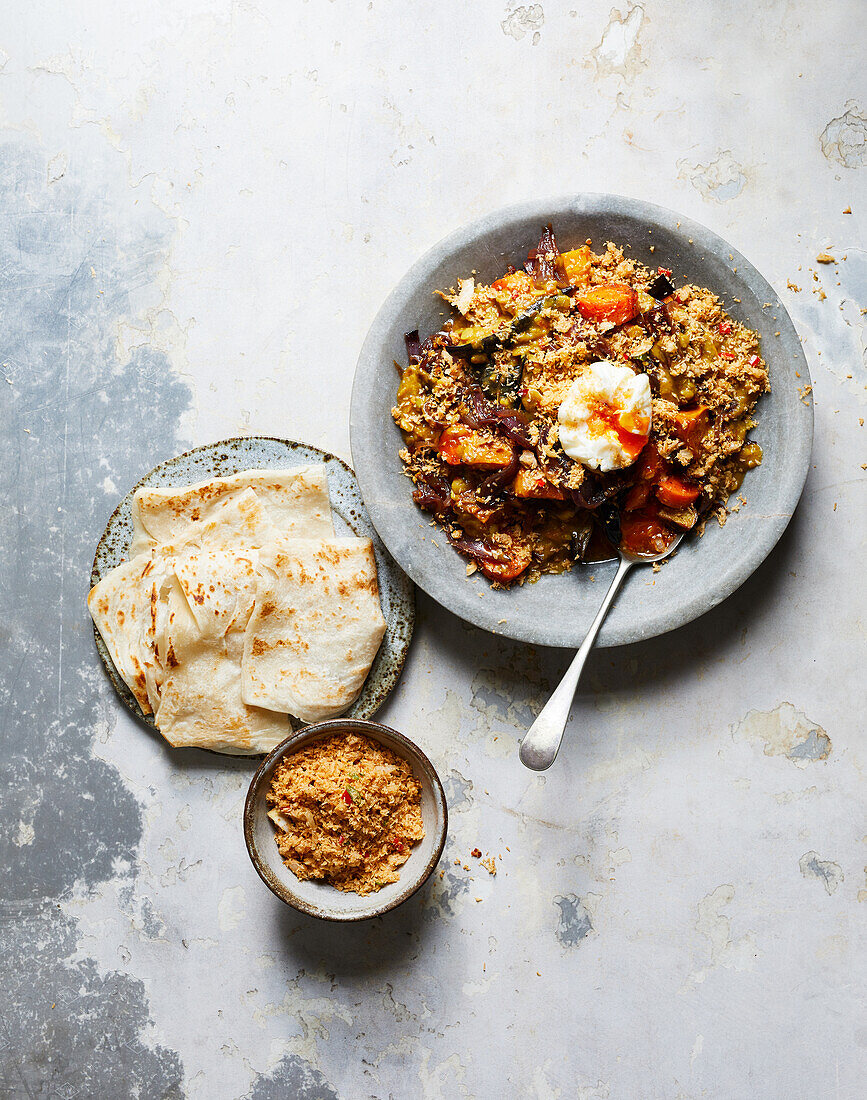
column 558, row 610
column 230, row 456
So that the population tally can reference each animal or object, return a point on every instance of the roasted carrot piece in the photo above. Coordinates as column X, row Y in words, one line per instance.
column 513, row 565
column 575, row 264
column 691, row 424
column 460, row 446
column 675, row 492
column 615, row 302
column 534, row 485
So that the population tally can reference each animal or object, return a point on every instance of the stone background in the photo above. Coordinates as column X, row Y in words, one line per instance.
column 201, row 207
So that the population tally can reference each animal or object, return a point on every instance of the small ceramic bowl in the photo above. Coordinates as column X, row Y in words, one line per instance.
column 315, row 897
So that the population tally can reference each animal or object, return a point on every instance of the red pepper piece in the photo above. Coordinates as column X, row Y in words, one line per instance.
column 401, row 847
column 666, row 271
column 347, row 798
column 724, row 328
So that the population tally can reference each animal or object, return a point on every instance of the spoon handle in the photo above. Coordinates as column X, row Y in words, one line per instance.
column 542, row 741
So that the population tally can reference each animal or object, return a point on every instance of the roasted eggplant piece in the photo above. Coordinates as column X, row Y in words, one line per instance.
column 684, row 518
column 597, row 489
column 477, row 340
column 609, row 520
column 501, row 381
column 660, row 287
column 413, row 345
column 579, row 540
column 601, row 348
column 657, row 320
column 524, row 320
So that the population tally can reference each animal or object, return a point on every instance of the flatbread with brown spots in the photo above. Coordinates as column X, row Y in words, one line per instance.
column 126, row 604
column 315, row 628
column 201, row 644
column 237, row 520
column 295, row 501
column 227, row 621
column 120, row 606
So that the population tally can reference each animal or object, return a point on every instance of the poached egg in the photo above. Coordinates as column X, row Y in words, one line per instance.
column 604, row 419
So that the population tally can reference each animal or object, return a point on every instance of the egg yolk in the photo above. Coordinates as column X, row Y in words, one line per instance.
column 631, row 431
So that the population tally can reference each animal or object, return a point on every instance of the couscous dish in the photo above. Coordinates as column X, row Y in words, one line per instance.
column 579, row 401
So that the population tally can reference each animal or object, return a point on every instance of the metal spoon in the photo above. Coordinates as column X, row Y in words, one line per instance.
column 542, row 741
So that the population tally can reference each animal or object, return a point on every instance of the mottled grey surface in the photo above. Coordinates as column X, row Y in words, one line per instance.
column 678, row 910
column 69, row 820
column 292, row 1077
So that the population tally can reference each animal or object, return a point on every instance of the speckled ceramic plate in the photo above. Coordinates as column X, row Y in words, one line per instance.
column 317, row 898
column 558, row 610
column 230, row 456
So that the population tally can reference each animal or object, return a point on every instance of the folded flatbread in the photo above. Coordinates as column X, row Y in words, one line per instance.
column 238, row 520
column 315, row 628
column 239, row 607
column 120, row 606
column 201, row 640
column 295, row 501
column 124, row 605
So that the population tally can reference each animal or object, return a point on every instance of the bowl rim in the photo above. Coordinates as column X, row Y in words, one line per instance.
column 588, row 203
column 408, row 749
